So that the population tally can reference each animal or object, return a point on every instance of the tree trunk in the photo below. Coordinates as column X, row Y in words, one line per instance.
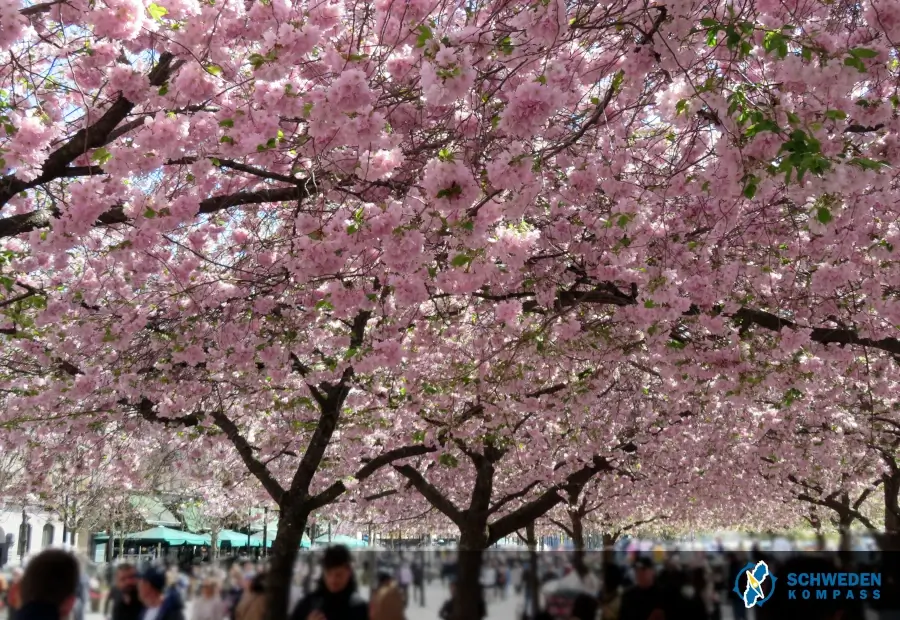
column 578, row 542
column 609, row 556
column 532, row 578
column 214, row 545
column 845, row 547
column 472, row 543
column 890, row 540
column 281, row 563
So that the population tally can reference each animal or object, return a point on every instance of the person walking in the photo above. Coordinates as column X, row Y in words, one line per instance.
column 13, row 598
column 336, row 597
column 404, row 578
column 446, row 611
column 252, row 605
column 645, row 600
column 387, row 599
column 123, row 602
column 209, row 605
column 48, row 589
column 160, row 602
column 418, row 579
column 489, row 579
column 235, row 591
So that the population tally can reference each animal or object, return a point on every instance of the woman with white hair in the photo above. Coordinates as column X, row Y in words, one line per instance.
column 209, row 605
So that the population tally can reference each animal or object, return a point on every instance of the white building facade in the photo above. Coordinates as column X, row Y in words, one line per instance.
column 21, row 537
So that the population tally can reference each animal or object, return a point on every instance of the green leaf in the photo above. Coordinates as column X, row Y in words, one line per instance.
column 324, row 304
column 681, row 107
column 352, row 229
column 7, row 283
column 467, row 225
column 157, row 12
column 461, row 260
column 763, row 125
column 506, row 46
column 617, row 81
column 750, row 189
column 856, row 63
column 425, row 35
column 149, row 213
column 775, row 43
column 835, row 115
column 228, row 122
column 101, row 155
column 793, row 119
column 445, row 155
column 823, row 215
column 862, row 52
column 257, row 60
column 649, row 304
column 454, row 191
column 868, row 164
column 448, row 460
column 214, row 70
column 541, row 79
column 226, row 140
column 709, row 22
column 164, row 90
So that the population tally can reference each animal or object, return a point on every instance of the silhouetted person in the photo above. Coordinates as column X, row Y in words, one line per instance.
column 160, row 604
column 336, row 598
column 123, row 598
column 49, row 586
column 446, row 612
column 645, row 600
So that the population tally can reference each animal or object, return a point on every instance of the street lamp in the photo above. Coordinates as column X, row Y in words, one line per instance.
column 265, row 530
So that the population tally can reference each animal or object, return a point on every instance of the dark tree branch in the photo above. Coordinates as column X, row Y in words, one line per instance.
column 540, row 506
column 245, row 450
column 431, row 493
column 36, row 9
column 87, row 138
column 34, row 220
column 338, row 488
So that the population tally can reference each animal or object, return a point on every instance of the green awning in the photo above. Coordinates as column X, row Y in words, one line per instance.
column 153, row 512
column 270, row 537
column 169, row 536
column 341, row 539
column 237, row 539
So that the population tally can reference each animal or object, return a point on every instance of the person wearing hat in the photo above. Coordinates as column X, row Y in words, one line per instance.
column 643, row 601
column 336, row 597
column 160, row 604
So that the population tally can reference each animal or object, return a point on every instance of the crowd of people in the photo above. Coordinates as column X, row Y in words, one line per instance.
column 689, row 587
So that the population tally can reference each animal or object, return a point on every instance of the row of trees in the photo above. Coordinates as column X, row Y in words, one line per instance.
column 497, row 261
